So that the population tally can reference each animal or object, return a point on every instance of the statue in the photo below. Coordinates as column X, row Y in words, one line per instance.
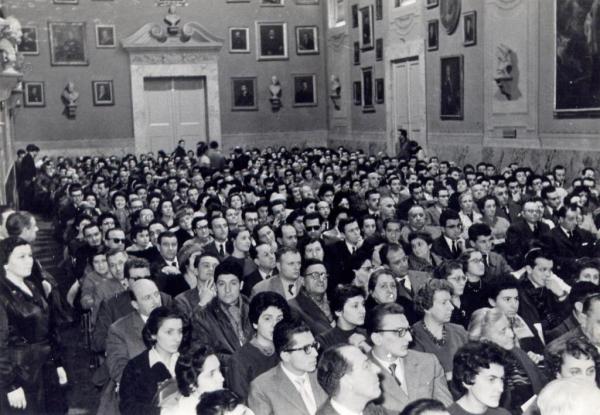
column 172, row 20
column 336, row 91
column 69, row 97
column 10, row 37
column 504, row 70
column 275, row 90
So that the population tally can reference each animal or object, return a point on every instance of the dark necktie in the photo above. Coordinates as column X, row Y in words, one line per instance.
column 221, row 251
column 291, row 289
column 485, row 260
column 393, row 372
column 454, row 248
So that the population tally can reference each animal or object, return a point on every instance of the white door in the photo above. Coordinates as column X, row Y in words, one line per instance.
column 175, row 110
column 409, row 98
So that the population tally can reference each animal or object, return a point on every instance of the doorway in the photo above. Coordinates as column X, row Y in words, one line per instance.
column 408, row 100
column 176, row 110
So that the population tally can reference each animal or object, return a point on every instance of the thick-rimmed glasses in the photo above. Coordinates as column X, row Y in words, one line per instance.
column 307, row 349
column 317, row 275
column 401, row 332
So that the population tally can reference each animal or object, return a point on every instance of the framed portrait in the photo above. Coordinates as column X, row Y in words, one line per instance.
column 577, row 63
column 105, row 36
column 432, row 3
column 238, row 40
column 366, row 28
column 68, row 43
column 243, row 94
column 452, row 104
column 271, row 38
column 356, row 53
column 367, row 90
column 307, row 40
column 29, row 42
column 378, row 9
column 306, row 2
column 65, row 1
column 103, row 93
column 433, row 35
column 357, row 93
column 355, row 15
column 269, row 3
column 470, row 28
column 379, row 49
column 379, row 91
column 34, row 94
column 305, row 90
column 450, row 14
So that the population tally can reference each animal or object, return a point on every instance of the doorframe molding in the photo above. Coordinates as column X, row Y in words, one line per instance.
column 193, row 55
column 395, row 53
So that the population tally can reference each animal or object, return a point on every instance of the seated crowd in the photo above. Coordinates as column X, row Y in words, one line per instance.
column 303, row 282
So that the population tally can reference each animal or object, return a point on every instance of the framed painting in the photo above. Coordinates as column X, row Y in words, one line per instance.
column 379, row 91
column 68, row 43
column 577, row 62
column 271, row 40
column 29, row 42
column 452, row 102
column 305, row 90
column 103, row 93
column 105, row 36
column 356, row 53
column 450, row 14
column 432, row 3
column 379, row 49
column 378, row 9
column 307, row 40
column 470, row 28
column 433, row 35
column 355, row 15
column 34, row 94
column 357, row 93
column 366, row 28
column 367, row 90
column 243, row 94
column 238, row 40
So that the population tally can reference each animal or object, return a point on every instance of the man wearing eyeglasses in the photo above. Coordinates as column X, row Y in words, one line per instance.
column 115, row 238
column 407, row 375
column 291, row 387
column 312, row 302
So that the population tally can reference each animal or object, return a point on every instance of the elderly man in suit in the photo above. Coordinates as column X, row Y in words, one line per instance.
column 351, row 380
column 287, row 282
column 124, row 340
column 480, row 238
column 291, row 387
column 407, row 375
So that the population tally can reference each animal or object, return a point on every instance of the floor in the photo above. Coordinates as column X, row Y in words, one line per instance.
column 83, row 395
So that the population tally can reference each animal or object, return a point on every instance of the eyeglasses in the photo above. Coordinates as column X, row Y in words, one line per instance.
column 313, row 228
column 317, row 275
column 316, row 346
column 118, row 240
column 457, row 279
column 401, row 332
column 458, row 225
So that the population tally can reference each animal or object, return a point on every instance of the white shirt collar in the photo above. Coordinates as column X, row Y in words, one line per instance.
column 341, row 409
column 295, row 379
column 154, row 358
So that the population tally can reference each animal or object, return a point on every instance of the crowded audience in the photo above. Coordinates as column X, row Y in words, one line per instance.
column 302, row 282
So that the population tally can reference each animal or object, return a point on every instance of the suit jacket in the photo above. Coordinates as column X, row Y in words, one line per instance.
column 497, row 266
column 371, row 409
column 172, row 284
column 187, row 301
column 310, row 312
column 110, row 311
column 273, row 393
column 514, row 210
column 252, row 279
column 440, row 247
column 518, row 236
column 424, row 379
column 274, row 284
column 339, row 255
column 212, row 249
column 123, row 343
column 566, row 251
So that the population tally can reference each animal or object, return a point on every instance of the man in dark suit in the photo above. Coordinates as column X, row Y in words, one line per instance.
column 220, row 230
column 264, row 258
column 407, row 375
column 521, row 232
column 450, row 244
column 165, row 270
column 507, row 208
column 552, row 202
column 27, row 173
column 568, row 242
column 480, row 238
column 311, row 302
column 350, row 380
column 342, row 250
column 291, row 387
column 416, row 196
column 205, row 290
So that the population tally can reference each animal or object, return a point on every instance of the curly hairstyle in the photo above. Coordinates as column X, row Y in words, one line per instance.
column 189, row 366
column 471, row 358
column 577, row 347
column 425, row 295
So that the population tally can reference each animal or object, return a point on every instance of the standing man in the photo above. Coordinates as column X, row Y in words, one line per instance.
column 27, row 173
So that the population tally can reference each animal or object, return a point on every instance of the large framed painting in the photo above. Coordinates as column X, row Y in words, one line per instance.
column 238, row 40
column 29, row 42
column 365, row 28
column 105, row 36
column 34, row 94
column 243, row 94
column 271, row 40
column 452, row 102
column 307, row 40
column 577, row 51
column 305, row 91
column 68, row 43
column 367, row 92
